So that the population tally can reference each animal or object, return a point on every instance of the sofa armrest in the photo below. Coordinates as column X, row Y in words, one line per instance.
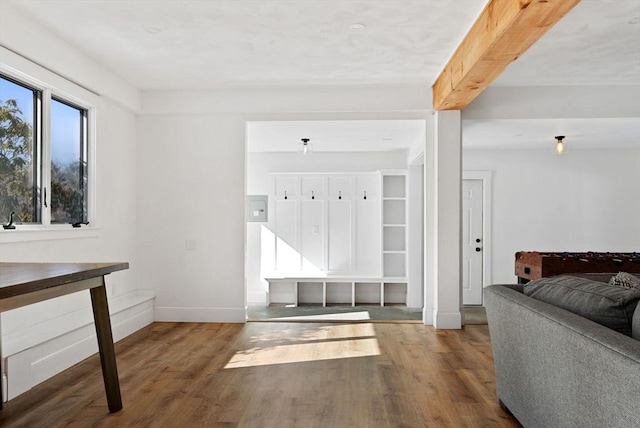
column 555, row 368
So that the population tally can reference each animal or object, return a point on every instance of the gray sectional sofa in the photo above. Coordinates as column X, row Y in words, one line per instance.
column 557, row 368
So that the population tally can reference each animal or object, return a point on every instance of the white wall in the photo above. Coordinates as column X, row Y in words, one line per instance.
column 191, row 182
column 585, row 200
column 259, row 165
column 191, row 210
column 43, row 339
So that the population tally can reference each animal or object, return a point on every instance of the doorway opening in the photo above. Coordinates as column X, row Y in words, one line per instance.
column 334, row 243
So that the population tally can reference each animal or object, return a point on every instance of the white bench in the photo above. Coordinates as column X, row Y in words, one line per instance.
column 354, row 282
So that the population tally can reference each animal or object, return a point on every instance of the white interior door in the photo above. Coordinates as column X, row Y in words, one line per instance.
column 472, row 242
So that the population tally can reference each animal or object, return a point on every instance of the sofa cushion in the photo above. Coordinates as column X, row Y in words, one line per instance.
column 610, row 306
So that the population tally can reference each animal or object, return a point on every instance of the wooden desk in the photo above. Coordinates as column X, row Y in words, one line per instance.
column 22, row 284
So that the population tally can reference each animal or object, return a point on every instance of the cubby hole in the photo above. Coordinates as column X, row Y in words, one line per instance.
column 393, row 212
column 394, row 265
column 395, row 293
column 367, row 293
column 310, row 293
column 338, row 293
column 393, row 186
column 394, row 239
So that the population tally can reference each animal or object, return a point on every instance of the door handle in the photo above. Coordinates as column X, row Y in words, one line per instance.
column 478, row 249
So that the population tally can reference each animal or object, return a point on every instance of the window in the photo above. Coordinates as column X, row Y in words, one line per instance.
column 44, row 147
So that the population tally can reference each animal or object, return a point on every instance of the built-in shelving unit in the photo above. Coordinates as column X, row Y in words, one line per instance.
column 338, row 238
column 394, row 224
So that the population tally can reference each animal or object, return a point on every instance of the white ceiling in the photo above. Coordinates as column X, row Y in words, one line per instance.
column 335, row 136
column 171, row 44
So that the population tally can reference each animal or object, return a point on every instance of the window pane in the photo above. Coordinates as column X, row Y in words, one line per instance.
column 68, row 163
column 19, row 172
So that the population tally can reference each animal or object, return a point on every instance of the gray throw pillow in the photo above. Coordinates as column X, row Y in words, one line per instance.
column 624, row 279
column 610, row 306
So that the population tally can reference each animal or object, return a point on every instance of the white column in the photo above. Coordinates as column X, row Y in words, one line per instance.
column 415, row 242
column 443, row 172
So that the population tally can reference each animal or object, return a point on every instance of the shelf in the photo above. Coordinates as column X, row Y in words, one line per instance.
column 394, row 212
column 394, row 239
column 328, row 291
column 394, row 264
column 393, row 186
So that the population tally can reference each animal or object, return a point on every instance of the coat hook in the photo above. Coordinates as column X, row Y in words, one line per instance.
column 312, row 195
column 365, row 194
column 285, row 194
column 340, row 194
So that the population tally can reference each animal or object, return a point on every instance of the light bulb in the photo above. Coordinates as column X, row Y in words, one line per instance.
column 559, row 144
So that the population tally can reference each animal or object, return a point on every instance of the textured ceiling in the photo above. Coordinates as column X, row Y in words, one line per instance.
column 596, row 43
column 170, row 44
column 196, row 44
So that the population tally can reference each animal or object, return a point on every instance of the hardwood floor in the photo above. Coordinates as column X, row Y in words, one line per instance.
column 279, row 375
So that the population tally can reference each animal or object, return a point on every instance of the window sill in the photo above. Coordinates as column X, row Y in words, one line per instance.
column 35, row 233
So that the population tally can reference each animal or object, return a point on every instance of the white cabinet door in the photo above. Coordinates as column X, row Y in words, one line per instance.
column 287, row 245
column 339, row 236
column 312, row 231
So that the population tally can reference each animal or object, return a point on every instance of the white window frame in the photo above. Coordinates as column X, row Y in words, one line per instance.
column 51, row 84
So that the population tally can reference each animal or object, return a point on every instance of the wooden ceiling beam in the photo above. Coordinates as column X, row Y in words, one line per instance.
column 504, row 30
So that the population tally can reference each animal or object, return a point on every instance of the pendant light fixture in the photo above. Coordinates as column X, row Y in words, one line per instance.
column 305, row 148
column 560, row 144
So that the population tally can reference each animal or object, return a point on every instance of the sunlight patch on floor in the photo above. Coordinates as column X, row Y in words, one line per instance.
column 324, row 343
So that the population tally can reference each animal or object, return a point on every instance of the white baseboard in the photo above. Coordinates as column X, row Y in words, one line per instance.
column 183, row 314
column 427, row 316
column 447, row 320
column 35, row 355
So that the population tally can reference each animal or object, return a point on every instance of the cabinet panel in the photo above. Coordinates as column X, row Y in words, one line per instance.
column 287, row 250
column 340, row 185
column 339, row 235
column 312, row 186
column 311, row 235
column 368, row 239
column 369, row 184
column 286, row 185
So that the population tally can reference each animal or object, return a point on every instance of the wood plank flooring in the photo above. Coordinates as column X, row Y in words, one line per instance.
column 279, row 375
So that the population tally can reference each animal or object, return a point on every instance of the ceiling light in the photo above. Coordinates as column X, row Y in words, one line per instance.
column 304, row 148
column 559, row 144
column 357, row 26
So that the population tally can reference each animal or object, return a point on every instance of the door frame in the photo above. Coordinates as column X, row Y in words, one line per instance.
column 486, row 178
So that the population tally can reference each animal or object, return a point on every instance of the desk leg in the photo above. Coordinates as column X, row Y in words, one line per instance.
column 105, row 345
